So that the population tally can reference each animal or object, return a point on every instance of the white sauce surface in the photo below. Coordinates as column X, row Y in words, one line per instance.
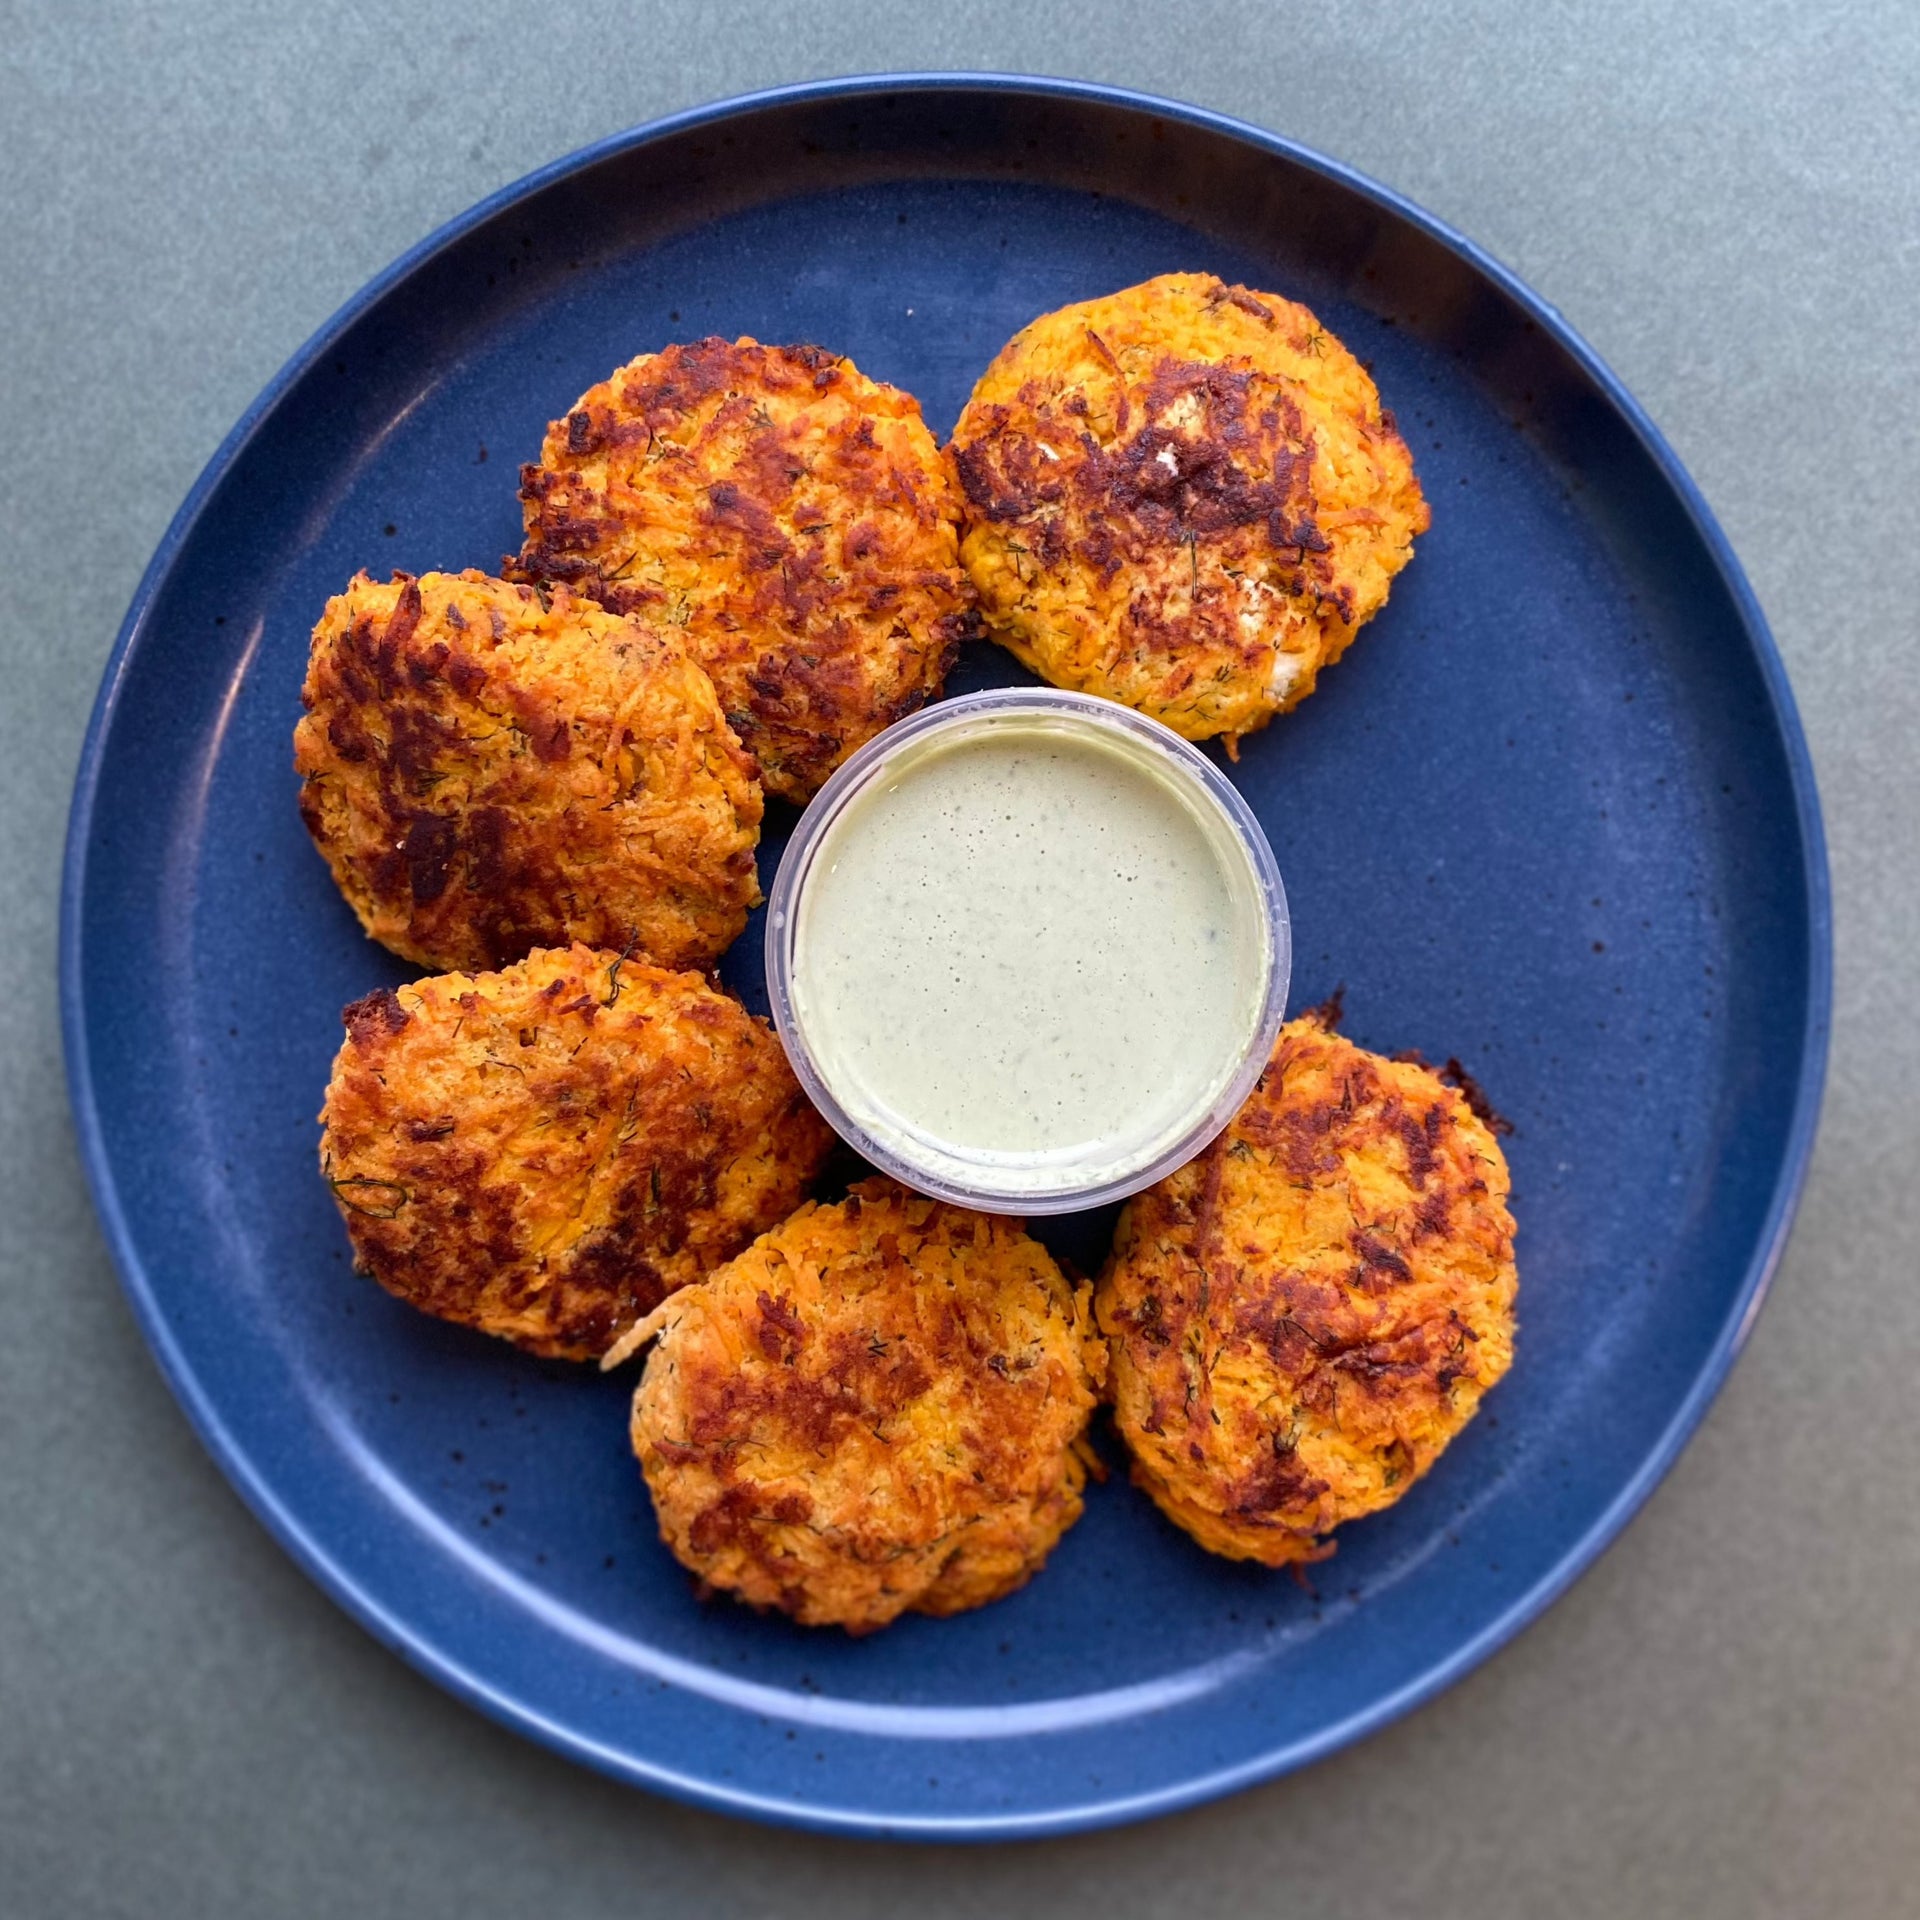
column 1030, row 947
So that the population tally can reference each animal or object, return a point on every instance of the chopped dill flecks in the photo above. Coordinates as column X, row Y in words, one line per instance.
column 364, row 1182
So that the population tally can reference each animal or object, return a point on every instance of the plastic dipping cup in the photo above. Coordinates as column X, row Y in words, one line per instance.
column 1028, row 951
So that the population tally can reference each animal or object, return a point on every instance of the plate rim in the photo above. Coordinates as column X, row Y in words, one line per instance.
column 1090, row 1812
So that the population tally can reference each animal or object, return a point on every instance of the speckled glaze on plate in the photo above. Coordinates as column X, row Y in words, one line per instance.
column 1553, row 815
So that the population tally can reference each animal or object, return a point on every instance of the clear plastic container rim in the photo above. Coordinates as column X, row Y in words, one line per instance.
column 858, row 772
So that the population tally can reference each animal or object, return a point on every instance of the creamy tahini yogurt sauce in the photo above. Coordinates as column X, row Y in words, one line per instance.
column 1032, row 947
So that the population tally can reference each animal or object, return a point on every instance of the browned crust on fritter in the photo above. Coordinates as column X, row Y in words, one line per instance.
column 1302, row 1318
column 1184, row 496
column 489, row 769
column 546, row 1152
column 792, row 518
column 873, row 1409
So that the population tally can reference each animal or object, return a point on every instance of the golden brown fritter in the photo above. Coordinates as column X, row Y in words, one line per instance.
column 792, row 518
column 1304, row 1316
column 875, row 1408
column 1185, row 497
column 547, row 1152
column 488, row 769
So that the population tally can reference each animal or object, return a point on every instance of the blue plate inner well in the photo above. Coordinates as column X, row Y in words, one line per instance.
column 1551, row 816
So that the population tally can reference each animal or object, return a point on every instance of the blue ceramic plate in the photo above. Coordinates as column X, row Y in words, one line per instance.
column 1553, row 815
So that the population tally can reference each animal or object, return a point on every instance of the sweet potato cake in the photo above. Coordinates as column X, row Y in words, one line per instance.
column 793, row 519
column 875, row 1408
column 1303, row 1317
column 1185, row 497
column 489, row 769
column 546, row 1152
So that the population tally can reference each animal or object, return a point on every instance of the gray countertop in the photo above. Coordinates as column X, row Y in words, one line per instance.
column 1723, row 1718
